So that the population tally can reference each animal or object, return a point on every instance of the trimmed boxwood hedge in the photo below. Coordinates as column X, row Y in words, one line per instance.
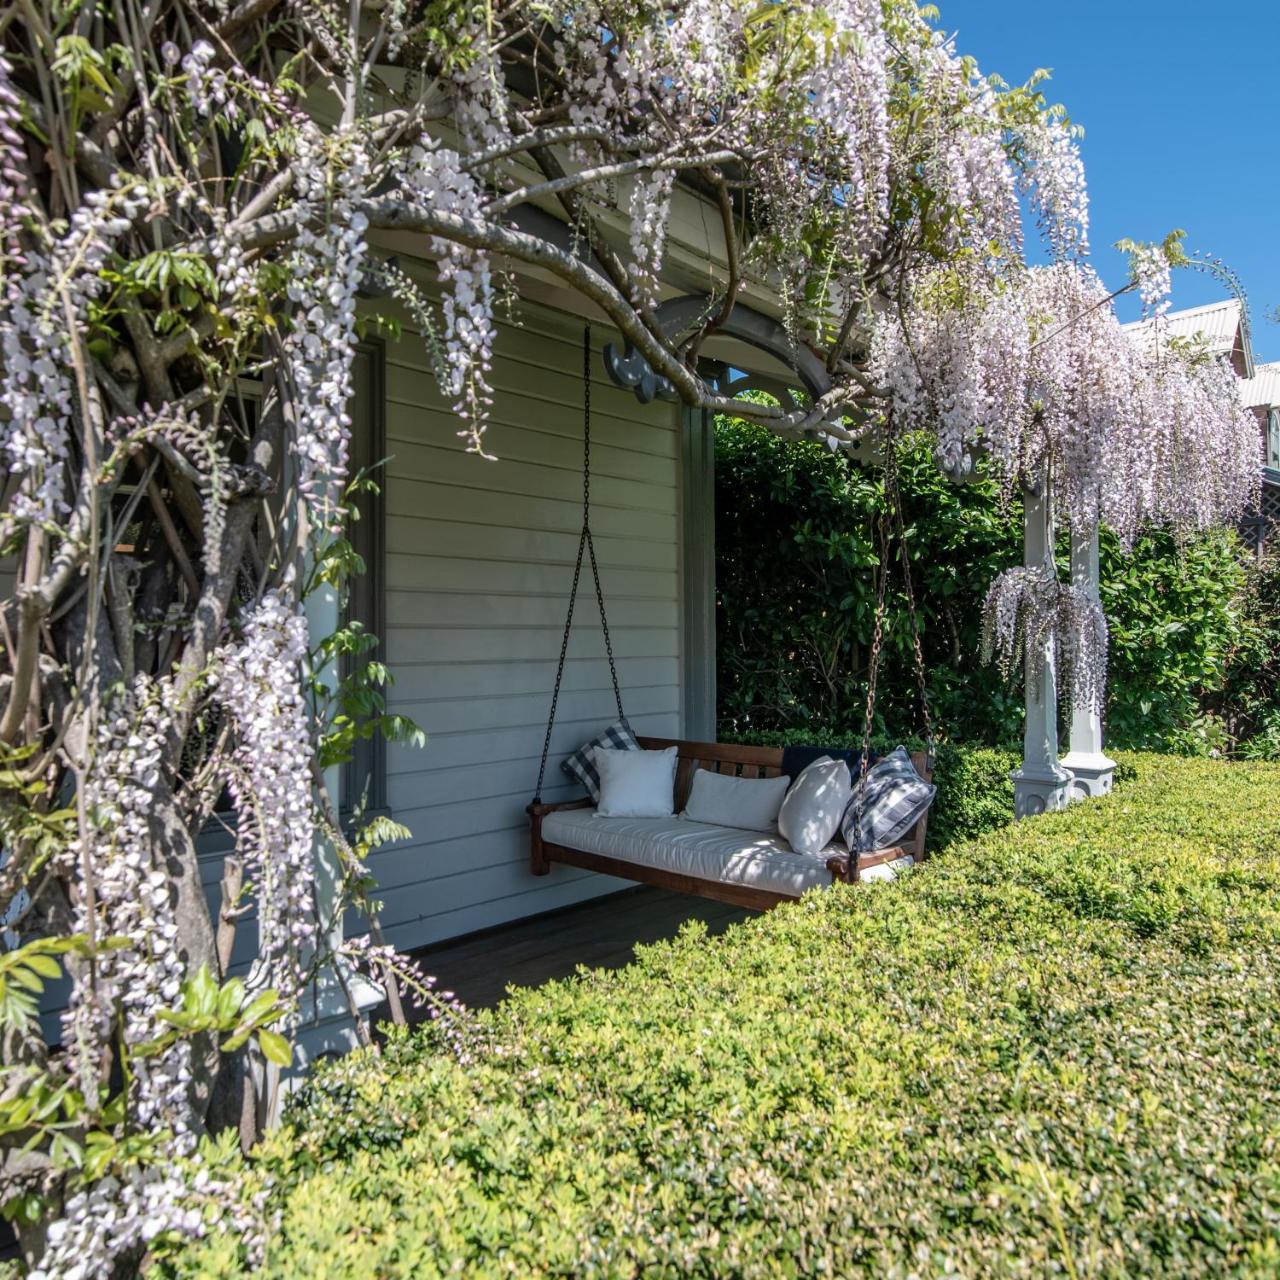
column 1053, row 1049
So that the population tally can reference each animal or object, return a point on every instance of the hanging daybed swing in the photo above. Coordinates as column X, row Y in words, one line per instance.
column 749, row 869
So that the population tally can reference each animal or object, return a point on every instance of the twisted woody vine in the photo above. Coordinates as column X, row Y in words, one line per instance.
column 192, row 196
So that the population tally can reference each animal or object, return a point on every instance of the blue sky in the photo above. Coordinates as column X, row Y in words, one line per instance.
column 1180, row 104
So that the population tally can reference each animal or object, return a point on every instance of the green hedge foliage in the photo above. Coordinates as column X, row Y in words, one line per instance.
column 1053, row 1050
column 1194, row 626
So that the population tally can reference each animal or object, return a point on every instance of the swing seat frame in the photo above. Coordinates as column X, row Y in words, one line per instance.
column 735, row 761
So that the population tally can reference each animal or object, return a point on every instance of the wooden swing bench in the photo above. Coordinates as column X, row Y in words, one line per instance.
column 724, row 870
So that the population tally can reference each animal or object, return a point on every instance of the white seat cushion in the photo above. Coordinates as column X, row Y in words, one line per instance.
column 725, row 854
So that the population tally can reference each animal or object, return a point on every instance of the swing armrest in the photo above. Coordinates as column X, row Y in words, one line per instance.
column 840, row 864
column 539, row 811
column 538, row 862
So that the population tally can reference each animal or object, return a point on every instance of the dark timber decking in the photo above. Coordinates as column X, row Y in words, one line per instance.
column 601, row 935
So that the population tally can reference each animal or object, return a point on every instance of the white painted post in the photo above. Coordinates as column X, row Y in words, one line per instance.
column 1091, row 768
column 1041, row 784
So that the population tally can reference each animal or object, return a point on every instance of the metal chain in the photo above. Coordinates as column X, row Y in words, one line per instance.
column 587, row 544
column 586, row 512
column 891, row 479
column 564, row 649
column 873, row 673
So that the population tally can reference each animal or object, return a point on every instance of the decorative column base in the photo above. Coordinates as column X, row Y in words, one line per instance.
column 1092, row 773
column 1040, row 791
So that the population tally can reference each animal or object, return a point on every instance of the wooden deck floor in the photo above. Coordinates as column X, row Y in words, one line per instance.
column 601, row 935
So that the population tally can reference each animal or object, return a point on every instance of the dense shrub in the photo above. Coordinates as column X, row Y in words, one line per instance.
column 975, row 793
column 796, row 550
column 1177, row 614
column 1192, row 623
column 1052, row 1050
column 1248, row 705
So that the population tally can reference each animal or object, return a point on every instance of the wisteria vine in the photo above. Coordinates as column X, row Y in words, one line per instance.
column 199, row 208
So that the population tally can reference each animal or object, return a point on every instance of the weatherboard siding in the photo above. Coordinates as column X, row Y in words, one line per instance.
column 478, row 569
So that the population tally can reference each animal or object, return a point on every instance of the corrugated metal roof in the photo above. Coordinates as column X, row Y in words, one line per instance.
column 1218, row 323
column 1264, row 387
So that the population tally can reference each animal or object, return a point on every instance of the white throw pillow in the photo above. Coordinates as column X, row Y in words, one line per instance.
column 725, row 801
column 811, row 812
column 636, row 784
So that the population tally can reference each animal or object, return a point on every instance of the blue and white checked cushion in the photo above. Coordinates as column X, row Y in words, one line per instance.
column 581, row 766
column 897, row 797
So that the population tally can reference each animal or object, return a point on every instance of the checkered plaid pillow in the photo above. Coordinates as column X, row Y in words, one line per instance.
column 581, row 766
column 897, row 797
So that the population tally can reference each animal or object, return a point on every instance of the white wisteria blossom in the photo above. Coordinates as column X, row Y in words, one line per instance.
column 259, row 683
column 1029, row 610
column 324, row 277
column 127, row 895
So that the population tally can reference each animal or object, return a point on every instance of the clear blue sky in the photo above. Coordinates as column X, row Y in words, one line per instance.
column 1180, row 103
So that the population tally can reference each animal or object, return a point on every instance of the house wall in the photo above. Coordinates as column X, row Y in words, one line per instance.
column 478, row 569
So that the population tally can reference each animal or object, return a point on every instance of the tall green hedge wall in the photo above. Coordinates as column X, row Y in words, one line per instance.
column 1194, row 627
column 1053, row 1050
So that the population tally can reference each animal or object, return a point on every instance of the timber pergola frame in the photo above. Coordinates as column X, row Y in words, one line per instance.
column 1043, row 782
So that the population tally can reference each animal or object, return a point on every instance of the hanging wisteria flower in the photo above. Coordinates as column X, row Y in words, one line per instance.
column 650, row 211
column 1054, row 181
column 325, row 266
column 437, row 179
column 47, row 291
column 132, row 899
column 1029, row 612
column 259, row 684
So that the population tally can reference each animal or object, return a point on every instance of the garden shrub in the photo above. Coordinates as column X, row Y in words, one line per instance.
column 1195, row 626
column 1052, row 1050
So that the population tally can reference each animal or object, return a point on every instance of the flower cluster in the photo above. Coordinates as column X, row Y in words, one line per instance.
column 324, row 276
column 1030, row 611
column 650, row 212
column 1150, row 271
column 120, row 1214
column 259, row 684
column 126, row 893
column 1054, row 182
column 1041, row 376
column 43, row 307
column 208, row 87
column 436, row 178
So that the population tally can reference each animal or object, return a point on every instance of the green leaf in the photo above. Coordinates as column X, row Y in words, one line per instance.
column 275, row 1047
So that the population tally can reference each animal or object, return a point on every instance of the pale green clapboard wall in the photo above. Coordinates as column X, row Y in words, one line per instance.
column 478, row 568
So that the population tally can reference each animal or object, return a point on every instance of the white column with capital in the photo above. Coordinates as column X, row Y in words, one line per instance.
column 1090, row 766
column 1041, row 784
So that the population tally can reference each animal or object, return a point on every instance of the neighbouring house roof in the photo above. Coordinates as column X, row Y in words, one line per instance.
column 1262, row 391
column 1223, row 325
